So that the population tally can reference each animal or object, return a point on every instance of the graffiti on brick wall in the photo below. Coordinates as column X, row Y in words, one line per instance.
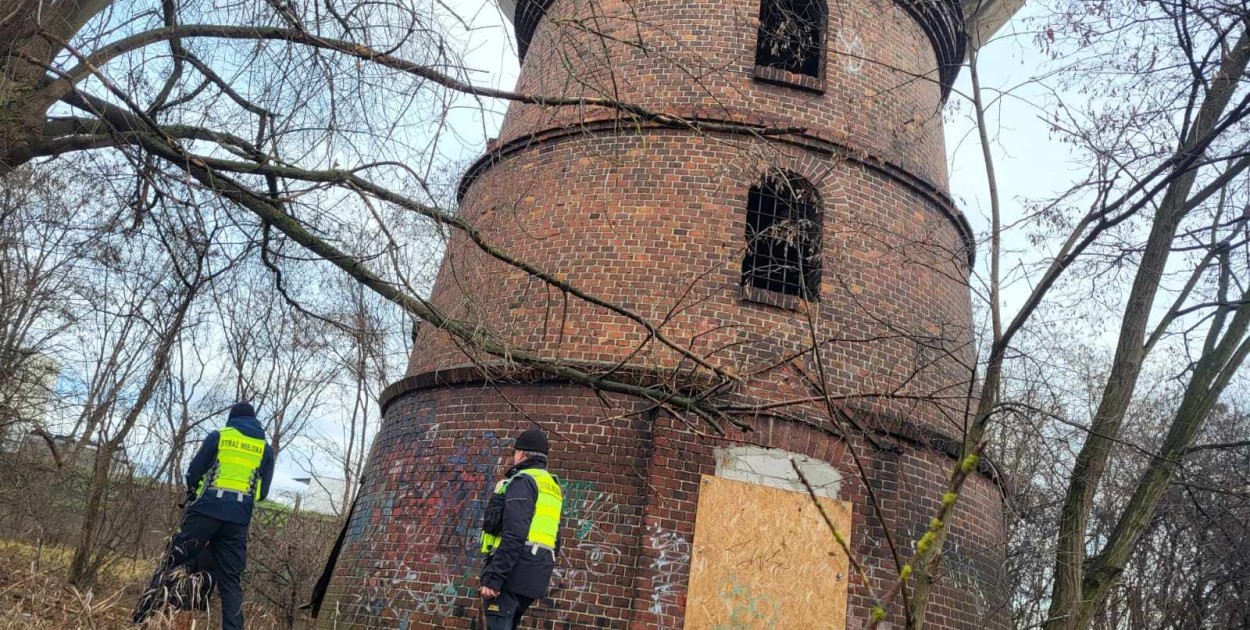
column 430, row 504
column 387, row 591
column 452, row 585
column 382, row 592
column 371, row 511
column 586, row 558
column 455, row 504
column 372, row 594
column 443, row 513
column 459, row 500
column 670, row 563
column 586, row 508
column 850, row 48
column 577, row 572
column 394, row 589
column 747, row 608
column 962, row 572
column 375, row 505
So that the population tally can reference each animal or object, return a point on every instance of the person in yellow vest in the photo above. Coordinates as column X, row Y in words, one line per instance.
column 520, row 534
column 228, row 475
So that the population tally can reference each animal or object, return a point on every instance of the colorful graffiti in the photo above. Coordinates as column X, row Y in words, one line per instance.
column 586, row 507
column 747, row 609
column 420, row 522
column 585, row 559
column 430, row 522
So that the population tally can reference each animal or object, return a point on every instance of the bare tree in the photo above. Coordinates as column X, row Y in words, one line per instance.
column 132, row 363
column 290, row 377
column 37, row 283
column 265, row 184
column 282, row 111
column 371, row 351
column 1161, row 206
column 184, row 402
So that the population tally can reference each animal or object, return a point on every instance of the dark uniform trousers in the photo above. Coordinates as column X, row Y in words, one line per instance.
column 504, row 612
column 227, row 542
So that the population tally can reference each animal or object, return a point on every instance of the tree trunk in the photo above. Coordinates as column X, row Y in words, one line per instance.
column 1071, row 608
column 82, row 569
column 30, row 34
column 21, row 111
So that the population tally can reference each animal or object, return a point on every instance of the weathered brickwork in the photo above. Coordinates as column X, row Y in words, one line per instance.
column 632, row 488
column 655, row 222
column 652, row 218
column 881, row 91
column 410, row 556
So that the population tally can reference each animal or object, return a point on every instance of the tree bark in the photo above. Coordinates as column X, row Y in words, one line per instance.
column 1068, row 601
column 24, row 102
column 1209, row 378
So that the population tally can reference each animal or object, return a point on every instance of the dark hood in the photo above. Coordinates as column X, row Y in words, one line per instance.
column 248, row 426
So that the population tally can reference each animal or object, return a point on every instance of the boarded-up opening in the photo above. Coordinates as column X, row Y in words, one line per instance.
column 764, row 558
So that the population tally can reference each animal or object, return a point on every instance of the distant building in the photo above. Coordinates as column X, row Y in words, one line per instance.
column 35, row 447
column 25, row 399
column 25, row 393
column 313, row 493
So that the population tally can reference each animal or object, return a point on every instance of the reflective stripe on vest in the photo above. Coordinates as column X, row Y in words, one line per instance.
column 237, row 468
column 545, row 525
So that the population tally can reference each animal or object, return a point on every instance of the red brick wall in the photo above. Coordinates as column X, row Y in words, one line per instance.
column 656, row 222
column 696, row 58
column 410, row 556
column 631, row 491
column 653, row 219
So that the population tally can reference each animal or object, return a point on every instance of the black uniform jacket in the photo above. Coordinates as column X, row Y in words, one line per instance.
column 513, row 567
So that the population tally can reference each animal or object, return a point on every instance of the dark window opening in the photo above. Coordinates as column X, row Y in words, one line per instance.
column 792, row 35
column 783, row 237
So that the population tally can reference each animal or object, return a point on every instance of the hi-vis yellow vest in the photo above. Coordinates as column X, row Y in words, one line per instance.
column 238, row 464
column 546, row 522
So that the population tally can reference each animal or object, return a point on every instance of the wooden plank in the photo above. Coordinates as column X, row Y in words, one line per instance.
column 764, row 558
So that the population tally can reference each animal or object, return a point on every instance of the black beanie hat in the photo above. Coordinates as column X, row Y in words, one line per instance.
column 242, row 409
column 532, row 441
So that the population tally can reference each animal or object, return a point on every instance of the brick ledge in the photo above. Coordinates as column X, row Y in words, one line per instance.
column 610, row 126
column 892, row 426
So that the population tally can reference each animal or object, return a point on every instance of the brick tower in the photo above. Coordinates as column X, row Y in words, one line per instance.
column 805, row 199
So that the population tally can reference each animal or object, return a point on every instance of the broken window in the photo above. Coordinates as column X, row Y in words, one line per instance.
column 783, row 237
column 792, row 35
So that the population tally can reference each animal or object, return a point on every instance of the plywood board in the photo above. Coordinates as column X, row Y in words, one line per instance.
column 764, row 558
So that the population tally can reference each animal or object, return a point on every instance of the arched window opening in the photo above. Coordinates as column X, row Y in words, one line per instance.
column 783, row 237
column 792, row 36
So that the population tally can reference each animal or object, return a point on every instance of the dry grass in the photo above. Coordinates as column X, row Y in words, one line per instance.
column 35, row 596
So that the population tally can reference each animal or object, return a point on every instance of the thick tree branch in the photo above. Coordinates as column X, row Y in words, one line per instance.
column 267, row 211
column 62, row 86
